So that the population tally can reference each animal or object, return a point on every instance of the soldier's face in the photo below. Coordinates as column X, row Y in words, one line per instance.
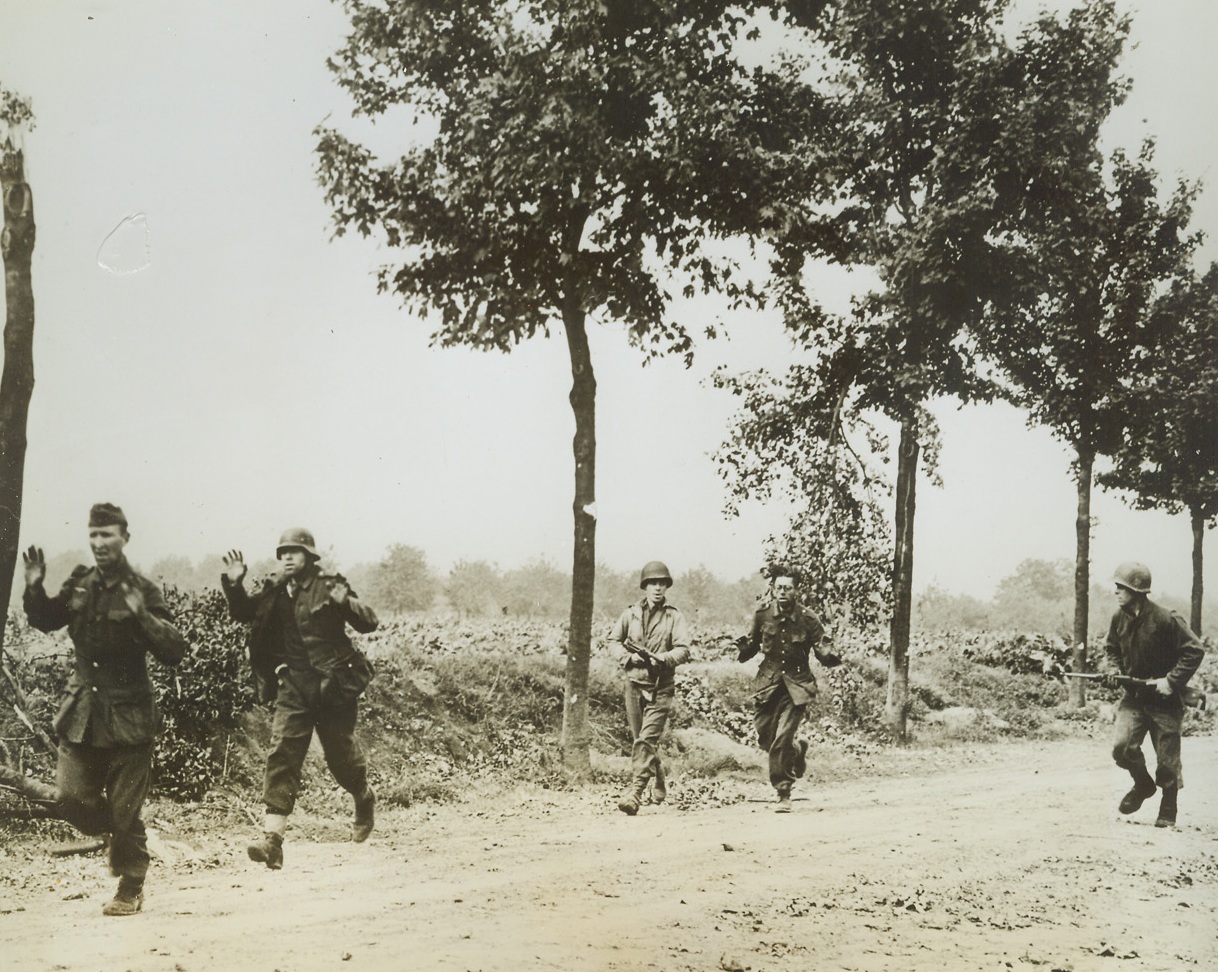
column 107, row 544
column 1124, row 596
column 292, row 560
column 784, row 590
column 655, row 591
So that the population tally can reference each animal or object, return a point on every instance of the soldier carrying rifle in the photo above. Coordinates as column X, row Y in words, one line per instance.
column 656, row 640
column 1148, row 642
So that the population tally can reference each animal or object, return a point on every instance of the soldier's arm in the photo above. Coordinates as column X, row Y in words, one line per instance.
column 359, row 615
column 167, row 644
column 678, row 649
column 1111, row 648
column 1189, row 653
column 46, row 613
column 240, row 604
column 749, row 645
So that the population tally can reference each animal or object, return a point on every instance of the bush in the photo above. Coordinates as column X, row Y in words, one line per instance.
column 202, row 699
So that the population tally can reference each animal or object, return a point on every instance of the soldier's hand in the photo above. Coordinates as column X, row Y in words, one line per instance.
column 1109, row 681
column 829, row 659
column 35, row 566
column 339, row 590
column 234, row 566
column 1162, row 686
column 134, row 598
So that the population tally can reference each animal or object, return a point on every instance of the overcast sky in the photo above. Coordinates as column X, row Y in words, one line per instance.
column 249, row 377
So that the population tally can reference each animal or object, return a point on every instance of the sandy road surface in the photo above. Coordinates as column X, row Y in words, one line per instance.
column 1020, row 862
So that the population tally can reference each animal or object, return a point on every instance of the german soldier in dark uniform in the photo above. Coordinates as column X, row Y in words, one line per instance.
column 1150, row 642
column 785, row 633
column 108, row 719
column 303, row 660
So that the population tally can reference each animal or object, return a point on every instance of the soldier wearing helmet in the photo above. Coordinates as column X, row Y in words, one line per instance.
column 785, row 633
column 1149, row 642
column 303, row 660
column 655, row 640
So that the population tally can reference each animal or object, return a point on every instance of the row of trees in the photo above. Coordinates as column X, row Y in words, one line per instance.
column 584, row 160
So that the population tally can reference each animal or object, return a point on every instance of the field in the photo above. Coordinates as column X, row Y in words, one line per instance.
column 990, row 840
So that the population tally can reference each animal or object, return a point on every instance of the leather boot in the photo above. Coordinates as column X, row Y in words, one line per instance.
column 784, row 802
column 268, row 851
column 629, row 804
column 365, row 815
column 1167, row 808
column 1143, row 788
column 128, row 899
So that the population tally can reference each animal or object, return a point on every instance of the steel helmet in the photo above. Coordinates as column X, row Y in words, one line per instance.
column 654, row 570
column 298, row 537
column 1133, row 575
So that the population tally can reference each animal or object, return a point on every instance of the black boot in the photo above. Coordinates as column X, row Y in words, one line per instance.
column 1167, row 808
column 128, row 899
column 365, row 815
column 268, row 850
column 1143, row 788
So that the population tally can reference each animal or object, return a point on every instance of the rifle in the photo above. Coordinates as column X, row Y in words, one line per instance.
column 1188, row 695
column 654, row 665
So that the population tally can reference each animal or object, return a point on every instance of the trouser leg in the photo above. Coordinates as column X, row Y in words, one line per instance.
column 80, row 779
column 291, row 733
column 344, row 755
column 127, row 783
column 1132, row 724
column 1165, row 739
column 777, row 719
column 645, row 754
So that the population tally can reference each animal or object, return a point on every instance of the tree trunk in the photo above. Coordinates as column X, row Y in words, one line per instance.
column 1082, row 575
column 1198, row 522
column 17, row 380
column 897, row 713
column 575, row 734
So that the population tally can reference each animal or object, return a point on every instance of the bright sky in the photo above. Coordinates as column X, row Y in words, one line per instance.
column 250, row 378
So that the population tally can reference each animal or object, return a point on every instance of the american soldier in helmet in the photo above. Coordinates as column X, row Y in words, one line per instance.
column 1147, row 641
column 303, row 660
column 655, row 640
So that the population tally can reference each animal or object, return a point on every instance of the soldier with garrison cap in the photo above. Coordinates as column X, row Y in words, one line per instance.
column 655, row 639
column 303, row 661
column 108, row 720
column 1149, row 642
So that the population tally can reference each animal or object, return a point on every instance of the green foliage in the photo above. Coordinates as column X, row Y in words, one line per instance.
column 474, row 589
column 202, row 699
column 400, row 582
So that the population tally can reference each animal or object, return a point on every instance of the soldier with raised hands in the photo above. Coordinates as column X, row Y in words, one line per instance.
column 108, row 719
column 785, row 633
column 303, row 660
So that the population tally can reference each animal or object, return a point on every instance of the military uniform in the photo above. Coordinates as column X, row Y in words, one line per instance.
column 303, row 660
column 108, row 719
column 784, row 684
column 649, row 692
column 1155, row 643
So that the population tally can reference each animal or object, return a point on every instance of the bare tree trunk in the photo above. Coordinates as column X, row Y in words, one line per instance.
column 1198, row 523
column 17, row 380
column 1082, row 574
column 897, row 713
column 575, row 733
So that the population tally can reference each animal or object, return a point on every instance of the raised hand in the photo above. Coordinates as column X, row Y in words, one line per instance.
column 35, row 566
column 339, row 590
column 234, row 566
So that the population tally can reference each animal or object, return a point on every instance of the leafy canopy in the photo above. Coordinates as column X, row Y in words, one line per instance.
column 584, row 155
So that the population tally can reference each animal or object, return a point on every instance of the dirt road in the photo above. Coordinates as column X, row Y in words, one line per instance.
column 1018, row 861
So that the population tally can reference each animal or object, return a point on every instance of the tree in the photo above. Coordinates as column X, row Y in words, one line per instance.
column 584, row 154
column 401, row 581
column 1037, row 597
column 538, row 589
column 474, row 589
column 917, row 142
column 176, row 571
column 1167, row 457
column 17, row 378
column 1092, row 246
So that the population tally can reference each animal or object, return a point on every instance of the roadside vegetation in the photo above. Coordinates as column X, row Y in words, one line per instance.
column 464, row 707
